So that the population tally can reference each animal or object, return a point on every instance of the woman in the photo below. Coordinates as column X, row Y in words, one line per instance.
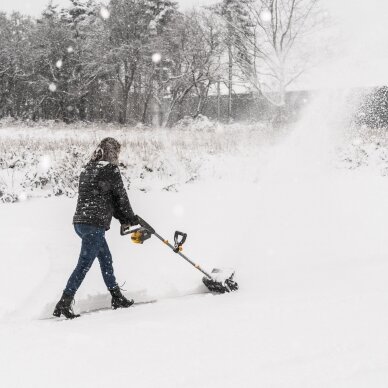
column 101, row 196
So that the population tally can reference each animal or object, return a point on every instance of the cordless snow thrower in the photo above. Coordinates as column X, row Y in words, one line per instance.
column 218, row 281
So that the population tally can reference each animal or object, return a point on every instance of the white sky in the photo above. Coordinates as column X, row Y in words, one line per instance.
column 362, row 46
column 35, row 7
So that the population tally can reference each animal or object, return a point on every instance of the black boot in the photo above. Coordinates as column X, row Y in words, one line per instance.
column 119, row 300
column 63, row 307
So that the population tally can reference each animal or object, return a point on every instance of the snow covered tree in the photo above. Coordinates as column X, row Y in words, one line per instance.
column 68, row 49
column 83, row 68
column 142, row 60
column 132, row 25
column 279, row 48
column 269, row 43
column 16, row 65
column 50, row 40
column 237, row 27
column 193, row 52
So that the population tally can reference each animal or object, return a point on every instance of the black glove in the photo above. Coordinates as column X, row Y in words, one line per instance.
column 127, row 226
column 125, row 229
column 134, row 220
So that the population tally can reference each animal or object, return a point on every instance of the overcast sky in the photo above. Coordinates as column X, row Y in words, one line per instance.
column 35, row 7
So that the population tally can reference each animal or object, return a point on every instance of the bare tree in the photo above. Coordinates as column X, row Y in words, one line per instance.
column 192, row 61
column 277, row 45
column 235, row 34
column 133, row 57
column 15, row 64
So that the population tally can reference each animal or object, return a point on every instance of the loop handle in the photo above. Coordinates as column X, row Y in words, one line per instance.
column 179, row 240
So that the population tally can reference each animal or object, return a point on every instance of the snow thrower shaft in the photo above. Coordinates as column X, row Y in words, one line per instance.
column 178, row 251
column 219, row 283
column 145, row 231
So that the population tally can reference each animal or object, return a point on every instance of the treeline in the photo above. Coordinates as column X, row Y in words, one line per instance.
column 138, row 60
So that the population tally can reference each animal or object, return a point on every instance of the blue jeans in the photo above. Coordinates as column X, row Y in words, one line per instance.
column 93, row 245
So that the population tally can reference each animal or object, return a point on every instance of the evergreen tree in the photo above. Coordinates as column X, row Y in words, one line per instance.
column 192, row 50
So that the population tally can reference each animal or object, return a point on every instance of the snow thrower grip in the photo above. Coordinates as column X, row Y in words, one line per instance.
column 138, row 233
column 179, row 240
column 128, row 229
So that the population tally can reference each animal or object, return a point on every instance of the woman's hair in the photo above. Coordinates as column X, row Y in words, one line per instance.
column 107, row 151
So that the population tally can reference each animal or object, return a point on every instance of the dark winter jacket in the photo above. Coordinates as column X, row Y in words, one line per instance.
column 101, row 196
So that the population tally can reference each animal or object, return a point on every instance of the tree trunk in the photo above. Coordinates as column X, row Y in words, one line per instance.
column 230, row 83
column 129, row 71
column 145, row 109
column 178, row 99
column 124, row 108
column 218, row 100
column 203, row 95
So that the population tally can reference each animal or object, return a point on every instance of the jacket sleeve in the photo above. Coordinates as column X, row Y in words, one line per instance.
column 122, row 209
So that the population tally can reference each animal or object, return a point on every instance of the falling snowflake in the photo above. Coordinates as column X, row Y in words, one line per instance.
column 44, row 162
column 104, row 12
column 70, row 108
column 156, row 58
column 59, row 64
column 265, row 16
column 22, row 197
column 52, row 87
column 70, row 49
column 152, row 28
column 219, row 129
column 178, row 210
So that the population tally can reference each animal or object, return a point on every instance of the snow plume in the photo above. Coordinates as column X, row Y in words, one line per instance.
column 355, row 61
column 310, row 148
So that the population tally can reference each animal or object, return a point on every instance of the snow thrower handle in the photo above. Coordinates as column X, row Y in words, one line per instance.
column 128, row 229
column 179, row 240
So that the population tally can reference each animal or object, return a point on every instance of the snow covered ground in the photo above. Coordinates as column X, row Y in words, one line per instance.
column 308, row 241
